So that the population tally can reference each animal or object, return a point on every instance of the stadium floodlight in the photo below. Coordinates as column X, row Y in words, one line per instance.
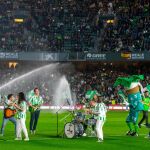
column 110, row 21
column 12, row 64
column 18, row 20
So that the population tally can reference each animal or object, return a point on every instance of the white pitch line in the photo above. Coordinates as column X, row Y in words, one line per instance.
column 127, row 136
column 43, row 139
column 7, row 140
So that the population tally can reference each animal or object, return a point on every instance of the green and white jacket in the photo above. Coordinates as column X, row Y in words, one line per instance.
column 36, row 100
column 100, row 110
column 22, row 114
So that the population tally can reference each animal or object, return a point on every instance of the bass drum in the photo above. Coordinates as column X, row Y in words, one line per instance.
column 73, row 130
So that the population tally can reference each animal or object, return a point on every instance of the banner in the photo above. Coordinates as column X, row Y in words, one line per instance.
column 96, row 56
column 75, row 56
column 132, row 56
column 8, row 55
column 50, row 57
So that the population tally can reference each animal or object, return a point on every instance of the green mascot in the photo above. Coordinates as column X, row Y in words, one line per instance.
column 134, row 91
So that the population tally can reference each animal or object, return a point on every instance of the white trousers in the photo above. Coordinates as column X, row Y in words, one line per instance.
column 21, row 126
column 99, row 128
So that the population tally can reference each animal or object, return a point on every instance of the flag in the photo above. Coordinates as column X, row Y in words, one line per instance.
column 90, row 94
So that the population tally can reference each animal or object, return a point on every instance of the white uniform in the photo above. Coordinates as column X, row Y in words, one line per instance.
column 21, row 118
column 100, row 110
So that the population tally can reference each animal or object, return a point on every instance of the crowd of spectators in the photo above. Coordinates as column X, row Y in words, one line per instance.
column 103, row 80
column 131, row 31
column 80, row 80
column 75, row 25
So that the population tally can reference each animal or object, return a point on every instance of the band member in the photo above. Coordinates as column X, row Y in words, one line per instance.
column 35, row 102
column 90, row 95
column 8, row 104
column 21, row 117
column 99, row 112
column 134, row 91
column 146, row 103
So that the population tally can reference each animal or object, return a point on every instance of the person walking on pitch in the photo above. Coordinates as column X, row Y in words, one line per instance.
column 21, row 117
column 99, row 112
column 9, row 112
column 146, row 104
column 35, row 102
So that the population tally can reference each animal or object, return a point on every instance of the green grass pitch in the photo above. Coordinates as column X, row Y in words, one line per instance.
column 45, row 139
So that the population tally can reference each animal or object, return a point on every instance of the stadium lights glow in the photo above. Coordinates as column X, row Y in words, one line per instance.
column 110, row 21
column 12, row 64
column 18, row 20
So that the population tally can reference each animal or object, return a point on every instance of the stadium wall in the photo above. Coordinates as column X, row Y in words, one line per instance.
column 88, row 56
column 78, row 107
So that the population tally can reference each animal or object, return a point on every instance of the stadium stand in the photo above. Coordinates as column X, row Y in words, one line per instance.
column 75, row 25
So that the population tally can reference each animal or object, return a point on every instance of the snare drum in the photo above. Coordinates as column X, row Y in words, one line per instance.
column 73, row 130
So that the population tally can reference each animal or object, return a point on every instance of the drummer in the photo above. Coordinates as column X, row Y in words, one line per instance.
column 90, row 96
column 99, row 113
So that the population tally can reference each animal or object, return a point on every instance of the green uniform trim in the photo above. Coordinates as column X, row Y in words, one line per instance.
column 36, row 100
column 7, row 103
column 101, row 109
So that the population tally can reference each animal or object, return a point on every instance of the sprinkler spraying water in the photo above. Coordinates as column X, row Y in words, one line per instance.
column 29, row 79
column 50, row 79
column 62, row 95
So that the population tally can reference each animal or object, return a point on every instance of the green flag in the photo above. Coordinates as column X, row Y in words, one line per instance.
column 90, row 94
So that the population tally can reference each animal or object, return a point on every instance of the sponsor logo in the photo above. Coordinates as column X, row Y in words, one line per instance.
column 126, row 55
column 50, row 56
column 138, row 56
column 96, row 56
column 133, row 56
column 9, row 55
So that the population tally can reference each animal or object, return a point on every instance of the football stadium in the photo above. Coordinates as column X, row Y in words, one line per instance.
column 74, row 74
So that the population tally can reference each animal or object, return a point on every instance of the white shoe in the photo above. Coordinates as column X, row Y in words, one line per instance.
column 100, row 140
column 84, row 134
column 147, row 136
column 26, row 139
column 18, row 139
column 34, row 132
